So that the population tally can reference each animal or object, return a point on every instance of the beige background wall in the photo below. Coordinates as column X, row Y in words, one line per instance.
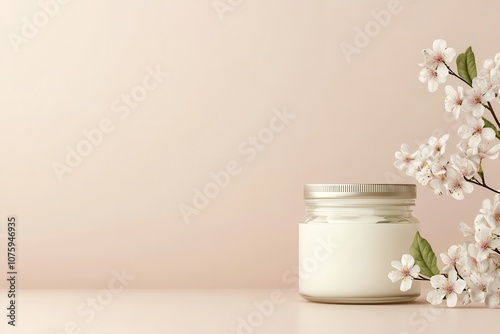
column 229, row 73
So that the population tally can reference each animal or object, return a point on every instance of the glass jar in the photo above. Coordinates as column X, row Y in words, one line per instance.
column 348, row 238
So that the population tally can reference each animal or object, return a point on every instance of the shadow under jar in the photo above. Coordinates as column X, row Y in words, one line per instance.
column 348, row 238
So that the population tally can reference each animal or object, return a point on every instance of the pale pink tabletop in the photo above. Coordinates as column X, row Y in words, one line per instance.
column 230, row 311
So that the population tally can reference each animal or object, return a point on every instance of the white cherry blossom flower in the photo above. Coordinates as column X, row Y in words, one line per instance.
column 424, row 175
column 469, row 153
column 485, row 243
column 439, row 180
column 488, row 220
column 477, row 97
column 438, row 56
column 465, row 167
column 475, row 131
column 492, row 82
column 438, row 184
column 405, row 159
column 492, row 153
column 449, row 287
column 406, row 270
column 438, row 166
column 491, row 213
column 466, row 229
column 477, row 154
column 457, row 185
column 495, row 79
column 490, row 67
column 435, row 147
column 491, row 73
column 478, row 284
column 480, row 221
column 454, row 99
column 433, row 78
column 472, row 265
column 490, row 64
column 453, row 256
column 474, row 156
column 492, row 299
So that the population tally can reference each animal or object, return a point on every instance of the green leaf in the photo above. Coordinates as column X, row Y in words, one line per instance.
column 480, row 172
column 488, row 124
column 466, row 65
column 424, row 256
column 471, row 63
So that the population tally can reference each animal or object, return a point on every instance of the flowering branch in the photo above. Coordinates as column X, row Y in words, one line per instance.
column 483, row 184
column 450, row 71
column 490, row 108
column 487, row 106
column 472, row 269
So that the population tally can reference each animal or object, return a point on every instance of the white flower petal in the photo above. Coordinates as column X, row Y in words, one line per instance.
column 450, row 91
column 457, row 194
column 488, row 96
column 406, row 283
column 465, row 131
column 477, row 295
column 466, row 229
column 407, row 260
column 494, row 286
column 394, row 276
column 492, row 153
column 488, row 133
column 400, row 165
column 432, row 85
column 474, row 140
column 459, row 286
column 466, row 299
column 445, row 258
column 451, row 299
column 492, row 300
column 442, row 72
column 415, row 270
column 438, row 281
column 452, row 276
column 478, row 110
column 467, row 187
column 435, row 297
column 423, row 76
column 479, row 84
column 449, row 54
column 439, row 45
column 397, row 265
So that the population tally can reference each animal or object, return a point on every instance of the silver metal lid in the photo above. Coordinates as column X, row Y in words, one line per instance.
column 361, row 190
